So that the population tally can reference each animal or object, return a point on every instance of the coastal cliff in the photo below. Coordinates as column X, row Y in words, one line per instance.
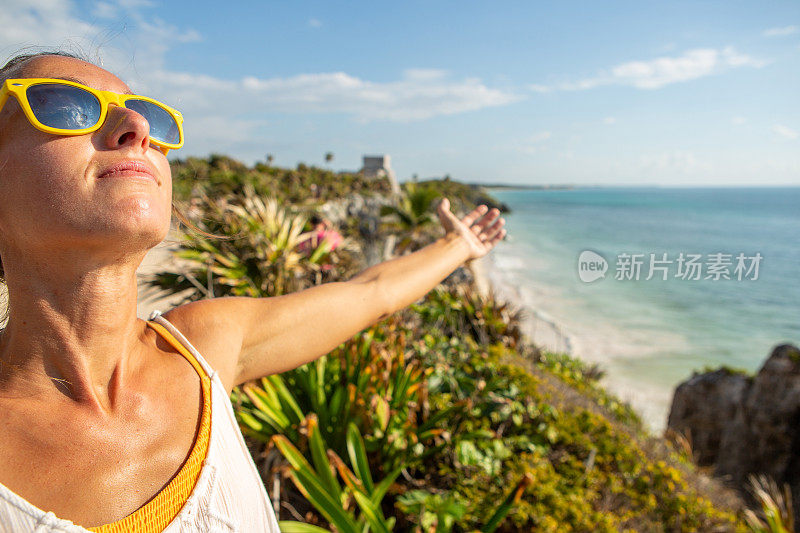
column 741, row 425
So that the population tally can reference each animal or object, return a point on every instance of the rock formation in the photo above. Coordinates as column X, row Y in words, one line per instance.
column 742, row 424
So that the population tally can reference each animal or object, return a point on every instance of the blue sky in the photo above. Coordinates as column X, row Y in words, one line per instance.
column 616, row 93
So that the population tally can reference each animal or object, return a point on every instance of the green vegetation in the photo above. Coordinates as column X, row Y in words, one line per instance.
column 794, row 355
column 220, row 175
column 729, row 370
column 438, row 418
column 776, row 515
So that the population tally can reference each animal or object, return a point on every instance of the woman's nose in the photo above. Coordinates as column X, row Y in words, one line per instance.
column 125, row 128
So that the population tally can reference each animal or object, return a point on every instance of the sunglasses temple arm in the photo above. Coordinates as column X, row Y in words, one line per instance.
column 3, row 96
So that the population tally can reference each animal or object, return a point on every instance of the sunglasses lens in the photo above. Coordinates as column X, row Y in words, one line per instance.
column 63, row 106
column 162, row 124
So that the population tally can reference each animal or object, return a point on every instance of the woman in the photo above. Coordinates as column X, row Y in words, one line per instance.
column 103, row 423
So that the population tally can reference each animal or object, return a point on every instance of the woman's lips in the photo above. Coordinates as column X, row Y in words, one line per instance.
column 129, row 169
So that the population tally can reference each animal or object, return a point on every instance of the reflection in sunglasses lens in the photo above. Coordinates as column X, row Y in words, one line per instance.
column 63, row 106
column 162, row 125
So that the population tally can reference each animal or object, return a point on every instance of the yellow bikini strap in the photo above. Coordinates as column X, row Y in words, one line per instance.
column 161, row 330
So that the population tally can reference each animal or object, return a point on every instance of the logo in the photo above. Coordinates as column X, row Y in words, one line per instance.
column 715, row 266
column 591, row 266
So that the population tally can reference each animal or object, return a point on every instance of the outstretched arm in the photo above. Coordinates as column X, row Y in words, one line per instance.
column 283, row 332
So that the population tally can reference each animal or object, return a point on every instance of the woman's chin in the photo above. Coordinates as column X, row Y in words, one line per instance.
column 136, row 228
column 141, row 211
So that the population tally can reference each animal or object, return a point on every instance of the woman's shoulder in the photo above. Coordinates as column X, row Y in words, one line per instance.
column 211, row 326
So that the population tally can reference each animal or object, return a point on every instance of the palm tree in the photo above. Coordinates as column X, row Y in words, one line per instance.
column 328, row 157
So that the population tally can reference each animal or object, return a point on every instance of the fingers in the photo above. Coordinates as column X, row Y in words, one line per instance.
column 444, row 210
column 485, row 223
column 469, row 219
column 481, row 224
column 490, row 234
column 496, row 227
column 489, row 217
column 497, row 238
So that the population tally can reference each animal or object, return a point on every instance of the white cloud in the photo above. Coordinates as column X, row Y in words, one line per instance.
column 731, row 58
column 29, row 24
column 210, row 113
column 129, row 43
column 738, row 121
column 136, row 43
column 314, row 23
column 610, row 120
column 781, row 32
column 785, row 132
column 424, row 73
column 419, row 94
column 656, row 73
column 137, row 54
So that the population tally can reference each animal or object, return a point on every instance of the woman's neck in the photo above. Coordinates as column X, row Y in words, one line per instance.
column 71, row 330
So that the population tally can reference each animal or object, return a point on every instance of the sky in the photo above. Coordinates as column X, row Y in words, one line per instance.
column 588, row 93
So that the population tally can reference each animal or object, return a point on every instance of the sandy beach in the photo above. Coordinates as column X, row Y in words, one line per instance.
column 537, row 326
column 545, row 332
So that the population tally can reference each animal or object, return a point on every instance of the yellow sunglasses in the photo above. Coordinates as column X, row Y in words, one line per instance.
column 64, row 107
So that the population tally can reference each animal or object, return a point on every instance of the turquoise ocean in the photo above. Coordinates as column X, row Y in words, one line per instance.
column 650, row 334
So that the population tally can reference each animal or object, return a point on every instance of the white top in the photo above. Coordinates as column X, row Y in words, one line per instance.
column 229, row 496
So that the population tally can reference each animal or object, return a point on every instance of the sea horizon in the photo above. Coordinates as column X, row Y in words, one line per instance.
column 549, row 186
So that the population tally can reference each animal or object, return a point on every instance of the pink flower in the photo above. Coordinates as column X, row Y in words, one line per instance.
column 313, row 241
column 333, row 236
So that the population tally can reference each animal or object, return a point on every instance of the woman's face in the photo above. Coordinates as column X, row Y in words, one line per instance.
column 57, row 191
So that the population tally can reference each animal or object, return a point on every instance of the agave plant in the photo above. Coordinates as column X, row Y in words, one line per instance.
column 258, row 254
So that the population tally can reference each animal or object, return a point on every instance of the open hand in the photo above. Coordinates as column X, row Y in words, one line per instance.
column 482, row 228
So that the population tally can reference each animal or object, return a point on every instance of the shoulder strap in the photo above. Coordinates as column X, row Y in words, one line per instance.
column 171, row 334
